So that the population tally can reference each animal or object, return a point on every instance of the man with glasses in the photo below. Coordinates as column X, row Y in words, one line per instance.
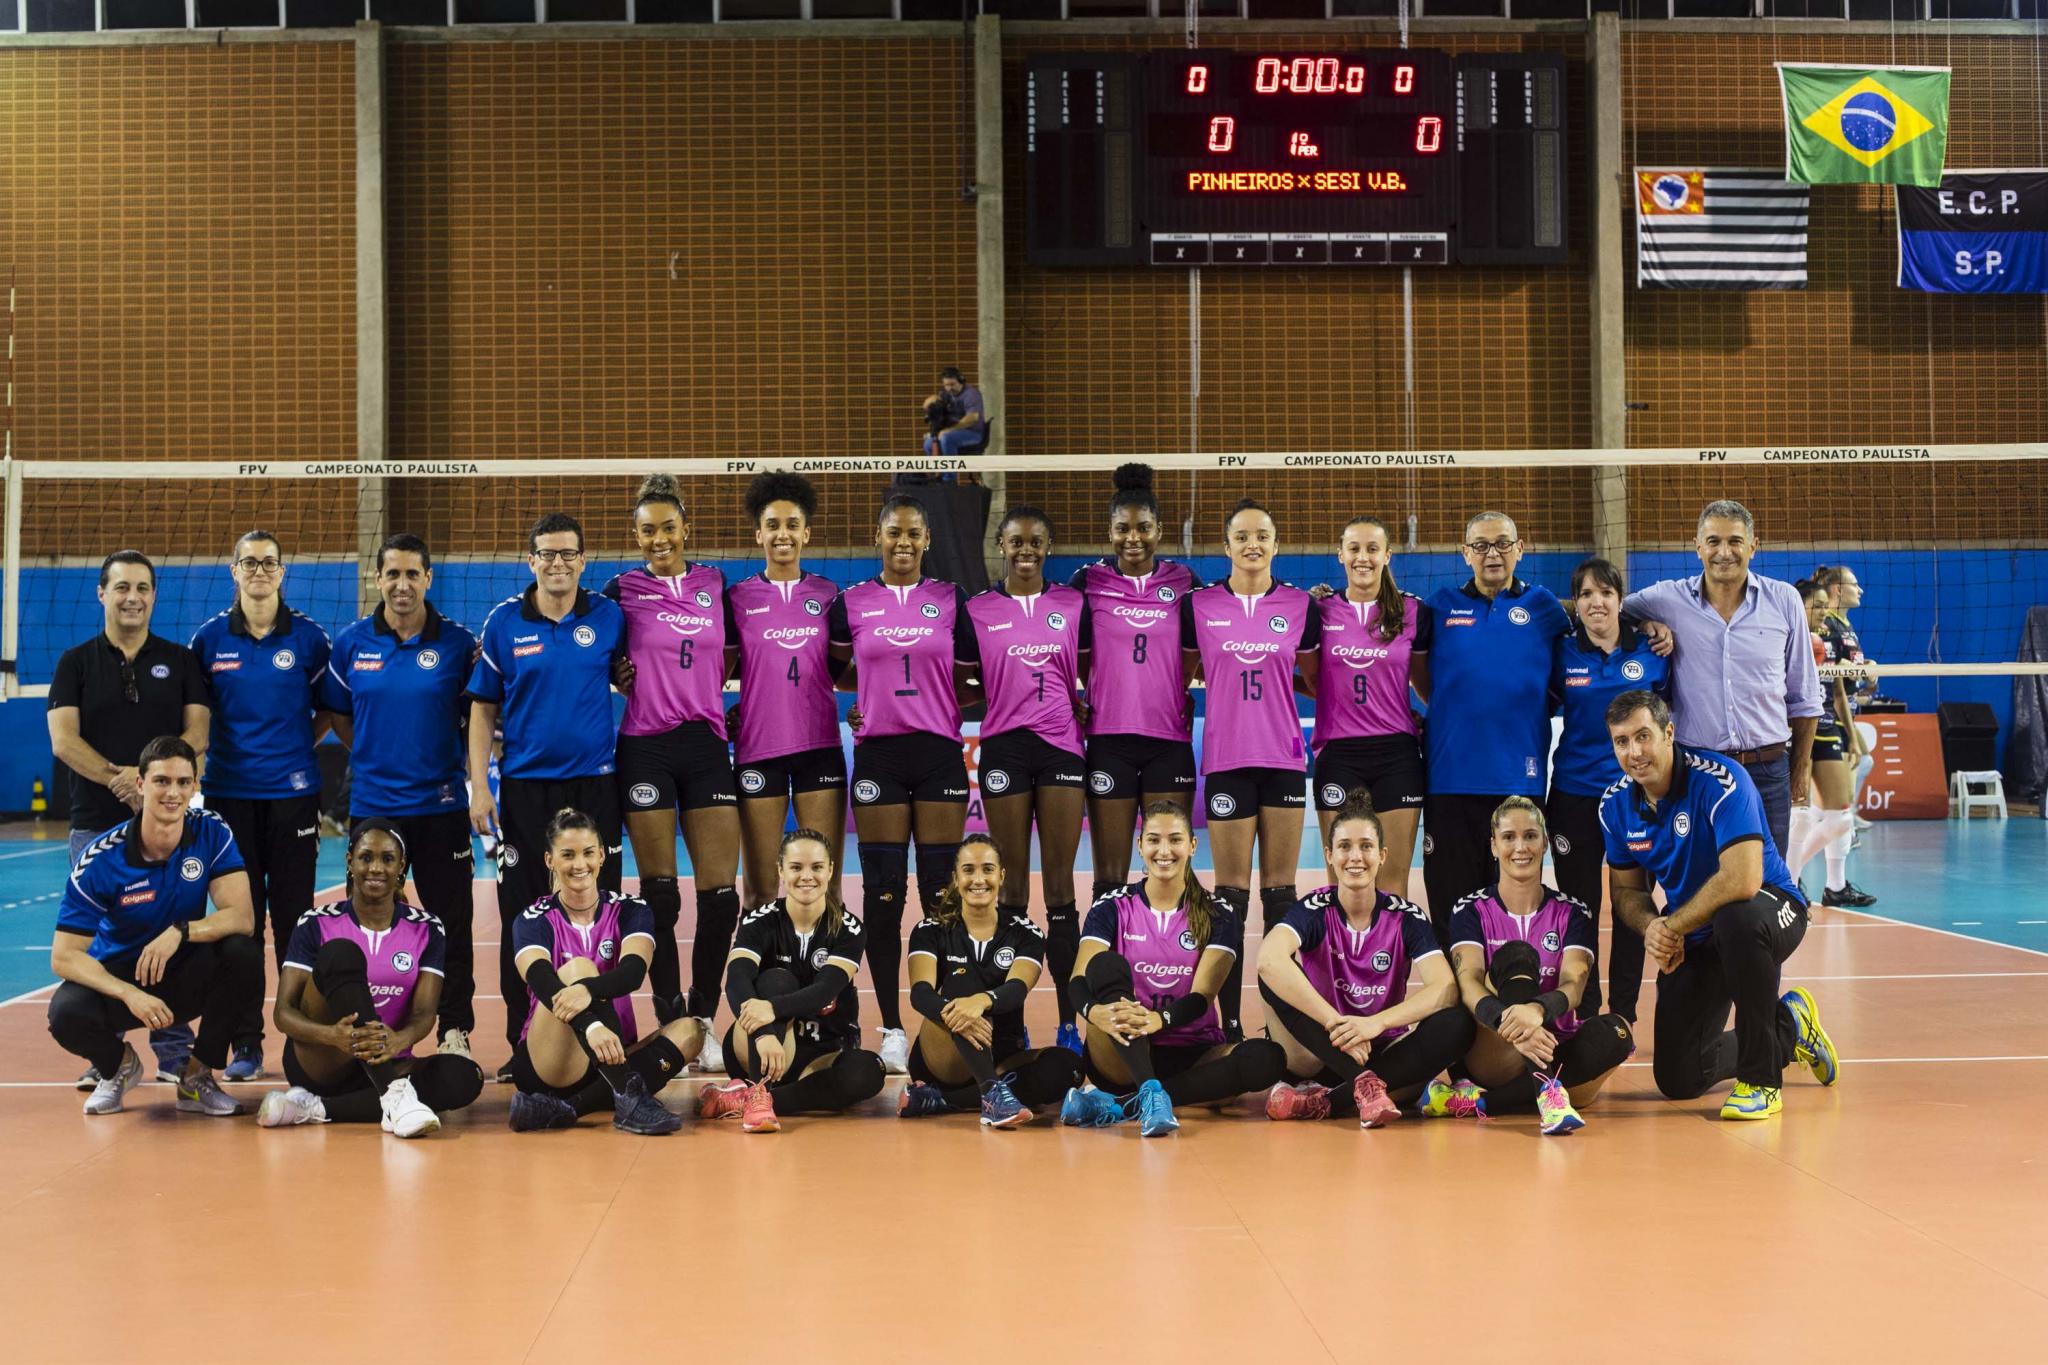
column 1487, row 736
column 543, row 674
column 263, row 662
column 1744, row 683
column 109, row 697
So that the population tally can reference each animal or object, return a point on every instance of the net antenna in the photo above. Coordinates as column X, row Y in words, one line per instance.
column 1192, row 37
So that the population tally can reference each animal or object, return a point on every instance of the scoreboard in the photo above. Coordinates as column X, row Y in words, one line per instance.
column 1219, row 157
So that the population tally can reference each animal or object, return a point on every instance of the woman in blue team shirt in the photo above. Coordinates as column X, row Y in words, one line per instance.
column 1600, row 658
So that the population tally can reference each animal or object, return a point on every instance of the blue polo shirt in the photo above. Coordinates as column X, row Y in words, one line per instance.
column 123, row 900
column 1488, row 729
column 405, row 698
column 1583, row 679
column 264, row 696
column 1712, row 805
column 552, row 682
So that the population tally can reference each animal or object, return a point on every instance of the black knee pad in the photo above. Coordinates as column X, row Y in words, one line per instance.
column 445, row 1084
column 658, row 1062
column 718, row 913
column 1274, row 903
column 1516, row 972
column 1109, row 977
column 1098, row 889
column 1063, row 924
column 1046, row 1078
column 1259, row 1062
column 856, row 1076
column 1238, row 898
column 773, row 982
column 340, row 960
column 664, row 896
column 885, row 879
column 1601, row 1044
column 934, row 873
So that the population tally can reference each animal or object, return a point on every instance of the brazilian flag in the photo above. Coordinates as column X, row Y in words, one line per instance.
column 1860, row 125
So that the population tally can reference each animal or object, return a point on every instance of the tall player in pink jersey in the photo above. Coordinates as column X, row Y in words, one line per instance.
column 911, row 645
column 1375, row 647
column 672, row 752
column 1334, row 978
column 1141, row 723
column 1028, row 634
column 1524, row 955
column 786, row 748
column 361, row 984
column 1154, row 956
column 1245, row 638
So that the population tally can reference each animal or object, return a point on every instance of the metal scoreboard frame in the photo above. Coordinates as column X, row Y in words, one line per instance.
column 1270, row 157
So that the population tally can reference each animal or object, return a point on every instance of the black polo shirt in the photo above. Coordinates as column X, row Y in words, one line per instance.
column 94, row 678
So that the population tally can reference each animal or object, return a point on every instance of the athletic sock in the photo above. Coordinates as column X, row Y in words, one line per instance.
column 664, row 970
column 1062, row 946
column 934, row 874
column 718, row 914
column 1231, row 1001
column 1837, row 854
column 885, row 880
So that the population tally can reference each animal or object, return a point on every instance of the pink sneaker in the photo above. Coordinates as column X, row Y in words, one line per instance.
column 722, row 1101
column 757, row 1111
column 1286, row 1101
column 1374, row 1108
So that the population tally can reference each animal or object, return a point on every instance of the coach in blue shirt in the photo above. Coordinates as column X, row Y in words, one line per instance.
column 263, row 663
column 1487, row 735
column 1690, row 821
column 1597, row 660
column 396, row 678
column 134, row 946
column 543, row 674
column 1744, row 682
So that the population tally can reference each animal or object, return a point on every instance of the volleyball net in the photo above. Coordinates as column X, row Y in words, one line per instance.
column 1948, row 543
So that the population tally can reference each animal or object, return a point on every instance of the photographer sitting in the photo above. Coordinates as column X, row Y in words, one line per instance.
column 955, row 416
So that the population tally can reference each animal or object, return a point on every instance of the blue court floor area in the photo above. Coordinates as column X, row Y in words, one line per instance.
column 1981, row 879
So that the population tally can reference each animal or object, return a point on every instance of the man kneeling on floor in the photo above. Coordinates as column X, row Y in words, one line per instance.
column 135, row 947
column 1692, row 820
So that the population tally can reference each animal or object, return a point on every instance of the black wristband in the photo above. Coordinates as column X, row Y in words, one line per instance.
column 1553, row 1004
column 1488, row 1011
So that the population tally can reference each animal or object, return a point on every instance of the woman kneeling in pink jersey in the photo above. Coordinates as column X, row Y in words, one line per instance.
column 1524, row 955
column 1333, row 974
column 361, row 984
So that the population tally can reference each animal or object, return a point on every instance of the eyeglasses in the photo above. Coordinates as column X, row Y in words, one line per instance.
column 551, row 556
column 1499, row 547
column 259, row 565
column 128, row 689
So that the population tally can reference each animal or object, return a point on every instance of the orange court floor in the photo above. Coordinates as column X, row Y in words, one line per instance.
column 1901, row 1215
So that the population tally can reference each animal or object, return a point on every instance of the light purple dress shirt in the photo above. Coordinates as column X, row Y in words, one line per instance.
column 1735, row 684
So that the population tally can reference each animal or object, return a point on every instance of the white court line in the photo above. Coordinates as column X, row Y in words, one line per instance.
column 1907, row 924
column 1845, row 1061
column 64, row 847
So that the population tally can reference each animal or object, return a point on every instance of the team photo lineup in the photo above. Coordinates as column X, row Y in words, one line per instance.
column 1697, row 763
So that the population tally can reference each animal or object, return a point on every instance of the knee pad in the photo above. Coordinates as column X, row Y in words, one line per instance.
column 1238, row 898
column 773, row 982
column 1601, row 1044
column 1274, row 903
column 1046, row 1078
column 856, row 1076
column 1516, row 972
column 718, row 913
column 1098, row 889
column 1108, row 977
column 664, row 897
column 934, row 873
column 339, row 960
column 885, row 876
column 658, row 1062
column 447, row 1083
column 1259, row 1062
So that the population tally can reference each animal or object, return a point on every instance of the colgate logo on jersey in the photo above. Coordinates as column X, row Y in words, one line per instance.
column 1354, row 654
column 682, row 623
column 1038, row 653
column 903, row 637
column 1166, row 971
column 790, row 637
column 1142, row 617
column 1251, row 651
column 1357, row 992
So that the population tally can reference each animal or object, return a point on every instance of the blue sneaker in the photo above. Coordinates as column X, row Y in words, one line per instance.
column 921, row 1101
column 1155, row 1111
column 635, row 1111
column 1069, row 1037
column 247, row 1065
column 540, row 1111
column 1000, row 1107
column 1814, row 1047
column 1090, row 1109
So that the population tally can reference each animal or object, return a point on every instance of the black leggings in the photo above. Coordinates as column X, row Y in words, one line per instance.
column 1736, row 969
column 1409, row 1062
column 279, row 841
column 1580, row 856
column 1255, row 1064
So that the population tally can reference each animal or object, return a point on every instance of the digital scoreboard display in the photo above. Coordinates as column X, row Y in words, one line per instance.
column 1299, row 158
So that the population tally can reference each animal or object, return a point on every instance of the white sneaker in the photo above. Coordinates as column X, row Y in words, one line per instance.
column 289, row 1108
column 405, row 1115
column 710, row 1061
column 106, row 1096
column 455, row 1043
column 895, row 1052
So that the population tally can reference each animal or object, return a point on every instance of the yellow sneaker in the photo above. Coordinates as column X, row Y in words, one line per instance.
column 1752, row 1102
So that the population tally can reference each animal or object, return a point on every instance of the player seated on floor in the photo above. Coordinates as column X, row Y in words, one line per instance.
column 794, row 1047
column 972, row 966
column 1333, row 974
column 1524, row 954
column 1153, row 956
column 361, row 985
column 582, row 952
column 135, row 947
column 1692, row 822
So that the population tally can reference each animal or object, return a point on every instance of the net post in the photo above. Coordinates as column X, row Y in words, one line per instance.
column 372, row 354
column 10, row 616
column 991, row 370
column 1605, row 174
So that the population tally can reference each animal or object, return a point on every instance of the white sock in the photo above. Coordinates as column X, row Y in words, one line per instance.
column 1838, row 856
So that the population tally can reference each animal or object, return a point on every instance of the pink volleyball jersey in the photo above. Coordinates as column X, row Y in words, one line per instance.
column 412, row 947
column 546, row 925
column 1362, row 687
column 1163, row 953
column 1248, row 646
column 676, row 633
column 1133, row 646
column 1030, row 651
column 905, row 642
column 1360, row 971
column 786, row 701
column 1559, row 925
